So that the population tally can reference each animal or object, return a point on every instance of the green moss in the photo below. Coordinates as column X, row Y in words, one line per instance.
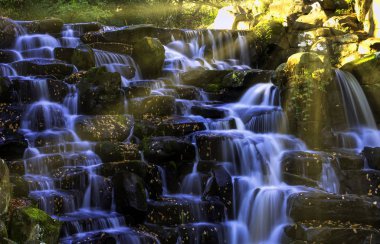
column 213, row 88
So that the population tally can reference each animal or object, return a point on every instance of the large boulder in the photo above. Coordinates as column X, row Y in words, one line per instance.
column 315, row 18
column 114, row 47
column 9, row 31
column 35, row 67
column 165, row 149
column 51, row 26
column 31, row 225
column 104, row 127
column 116, row 151
column 129, row 196
column 323, row 206
column 149, row 54
column 82, row 56
column 372, row 155
column 157, row 106
column 100, row 92
column 304, row 99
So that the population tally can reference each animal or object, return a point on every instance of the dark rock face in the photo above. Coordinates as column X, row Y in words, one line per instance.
column 168, row 149
column 372, row 155
column 104, row 127
column 360, row 182
column 323, row 206
column 12, row 146
column 149, row 54
column 116, row 151
column 130, row 197
column 42, row 67
column 209, row 112
column 82, row 57
column 220, row 185
column 8, row 32
column 152, row 106
column 99, row 92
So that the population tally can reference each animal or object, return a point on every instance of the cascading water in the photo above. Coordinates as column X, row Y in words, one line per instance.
column 363, row 130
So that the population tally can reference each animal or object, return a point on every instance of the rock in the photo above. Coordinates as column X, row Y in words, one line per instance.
column 296, row 180
column 149, row 54
column 368, row 46
column 9, row 31
column 372, row 154
column 315, row 18
column 86, row 27
column 348, row 161
column 333, row 5
column 3, row 232
column 71, row 178
column 366, row 70
column 6, row 90
column 209, row 112
column 114, row 47
column 104, row 127
column 209, row 80
column 167, row 149
column 360, row 182
column 116, row 151
column 176, row 211
column 12, row 146
column 109, row 169
column 305, row 99
column 5, row 187
column 129, row 196
column 35, row 67
column 20, row 186
column 157, row 106
column 323, row 206
column 286, row 9
column 82, row 56
column 303, row 164
column 332, row 232
column 136, row 91
column 100, row 92
column 51, row 26
column 153, row 182
column 220, row 185
column 92, row 36
column 345, row 23
column 202, row 232
column 9, row 56
column 30, row 224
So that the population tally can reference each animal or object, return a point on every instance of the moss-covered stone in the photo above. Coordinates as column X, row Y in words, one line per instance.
column 307, row 77
column 31, row 224
column 149, row 54
column 51, row 26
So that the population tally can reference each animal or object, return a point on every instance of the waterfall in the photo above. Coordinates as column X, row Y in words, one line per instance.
column 359, row 116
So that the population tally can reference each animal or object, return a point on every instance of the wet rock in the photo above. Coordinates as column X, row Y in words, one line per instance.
column 133, row 166
column 302, row 164
column 51, row 26
column 153, row 181
column 161, row 150
column 332, row 232
column 8, row 32
column 116, row 151
column 372, row 154
column 315, row 18
column 86, row 27
column 100, row 93
column 82, row 56
column 149, row 54
column 92, row 36
column 136, row 91
column 152, row 106
column 324, row 206
column 42, row 67
column 209, row 112
column 5, row 187
column 113, row 47
column 345, row 23
column 219, row 185
column 8, row 56
column 210, row 146
column 129, row 196
column 209, row 80
column 42, row 164
column 304, row 70
column 6, row 90
column 12, row 146
column 104, row 127
column 347, row 161
column 30, row 224
column 165, row 234
column 176, row 211
column 71, row 178
column 295, row 180
column 360, row 182
column 201, row 233
column 20, row 186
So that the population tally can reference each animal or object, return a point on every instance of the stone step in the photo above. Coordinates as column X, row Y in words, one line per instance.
column 361, row 182
column 182, row 209
column 323, row 206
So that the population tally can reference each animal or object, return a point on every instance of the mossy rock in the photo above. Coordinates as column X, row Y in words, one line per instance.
column 51, row 26
column 30, row 224
column 269, row 32
column 149, row 54
column 5, row 187
column 365, row 69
